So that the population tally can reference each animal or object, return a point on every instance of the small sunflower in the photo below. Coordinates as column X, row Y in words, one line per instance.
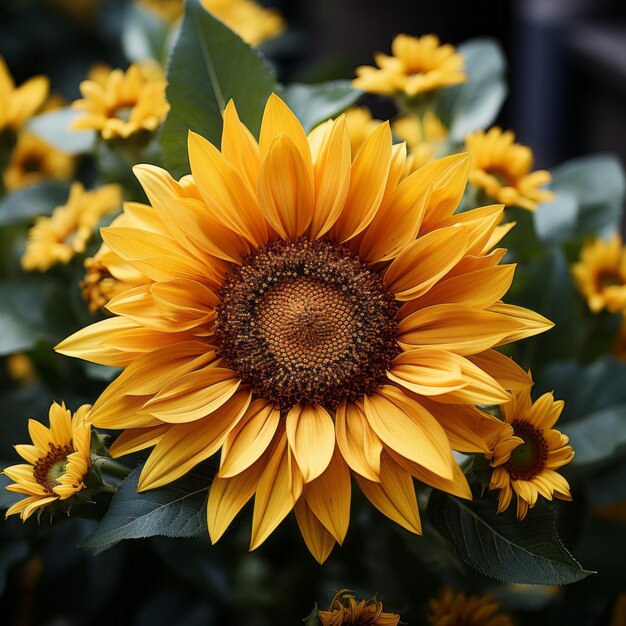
column 502, row 169
column 345, row 610
column 19, row 104
column 310, row 315
column 33, row 160
column 58, row 238
column 424, row 139
column 459, row 609
column 21, row 368
column 56, row 463
column 360, row 125
column 417, row 65
column 529, row 469
column 600, row 274
column 126, row 103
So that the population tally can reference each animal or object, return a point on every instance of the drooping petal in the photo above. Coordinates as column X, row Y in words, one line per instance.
column 503, row 368
column 318, row 540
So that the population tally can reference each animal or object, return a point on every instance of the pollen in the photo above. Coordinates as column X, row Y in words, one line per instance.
column 51, row 466
column 307, row 321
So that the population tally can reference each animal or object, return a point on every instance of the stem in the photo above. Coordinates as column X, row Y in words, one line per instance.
column 114, row 468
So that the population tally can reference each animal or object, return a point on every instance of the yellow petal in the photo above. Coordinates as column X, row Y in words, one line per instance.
column 409, row 429
column 529, row 322
column 239, row 146
column 425, row 261
column 135, row 439
column 183, row 446
column 359, row 444
column 504, row 369
column 311, row 436
column 318, row 540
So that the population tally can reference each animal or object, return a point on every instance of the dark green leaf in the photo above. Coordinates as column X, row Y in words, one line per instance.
column 31, row 202
column 54, row 127
column 176, row 510
column 476, row 103
column 209, row 66
column 500, row 546
column 314, row 104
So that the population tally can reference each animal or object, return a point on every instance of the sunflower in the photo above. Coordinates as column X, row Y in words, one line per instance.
column 417, row 65
column 502, row 169
column 360, row 125
column 529, row 469
column 618, row 614
column 345, row 610
column 309, row 315
column 459, row 609
column 34, row 160
column 58, row 238
column 128, row 102
column 56, row 463
column 600, row 274
column 107, row 274
column 18, row 104
column 21, row 368
column 425, row 138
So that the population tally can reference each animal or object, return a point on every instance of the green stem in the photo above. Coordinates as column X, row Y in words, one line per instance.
column 113, row 468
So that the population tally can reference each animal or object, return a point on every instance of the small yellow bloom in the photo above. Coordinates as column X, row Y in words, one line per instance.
column 21, row 369
column 251, row 21
column 424, row 139
column 458, row 609
column 360, row 125
column 601, row 274
column 33, row 160
column 529, row 468
column 502, row 169
column 18, row 104
column 58, row 238
column 56, row 463
column 345, row 610
column 126, row 103
column 417, row 65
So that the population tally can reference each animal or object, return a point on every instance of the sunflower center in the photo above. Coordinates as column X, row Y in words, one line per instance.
column 122, row 111
column 529, row 458
column 608, row 278
column 49, row 468
column 32, row 163
column 307, row 321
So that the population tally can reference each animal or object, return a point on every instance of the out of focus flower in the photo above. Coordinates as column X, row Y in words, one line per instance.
column 502, row 169
column 108, row 275
column 360, row 125
column 125, row 103
column 33, row 160
column 618, row 615
column 56, row 462
column 21, row 369
column 18, row 104
column 346, row 610
column 423, row 138
column 600, row 274
column 251, row 21
column 529, row 469
column 299, row 357
column 58, row 238
column 417, row 65
column 459, row 609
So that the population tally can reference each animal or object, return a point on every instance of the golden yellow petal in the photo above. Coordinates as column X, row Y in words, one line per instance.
column 318, row 540
column 135, row 439
column 503, row 368
column 239, row 146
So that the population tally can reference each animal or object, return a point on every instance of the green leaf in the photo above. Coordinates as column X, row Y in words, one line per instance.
column 31, row 202
column 597, row 436
column 176, row 510
column 30, row 312
column 209, row 66
column 144, row 34
column 500, row 546
column 313, row 104
column 598, row 184
column 54, row 127
column 476, row 103
column 557, row 220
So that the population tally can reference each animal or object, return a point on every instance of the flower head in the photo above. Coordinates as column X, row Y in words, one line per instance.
column 601, row 274
column 459, row 609
column 126, row 103
column 56, row 463
column 423, row 139
column 526, row 461
column 309, row 315
column 417, row 65
column 33, row 160
column 345, row 610
column 58, row 238
column 18, row 104
column 502, row 169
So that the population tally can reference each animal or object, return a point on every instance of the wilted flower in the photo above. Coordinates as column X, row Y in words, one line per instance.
column 346, row 610
column 459, row 609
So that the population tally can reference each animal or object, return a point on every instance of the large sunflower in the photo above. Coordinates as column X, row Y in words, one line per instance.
column 310, row 316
